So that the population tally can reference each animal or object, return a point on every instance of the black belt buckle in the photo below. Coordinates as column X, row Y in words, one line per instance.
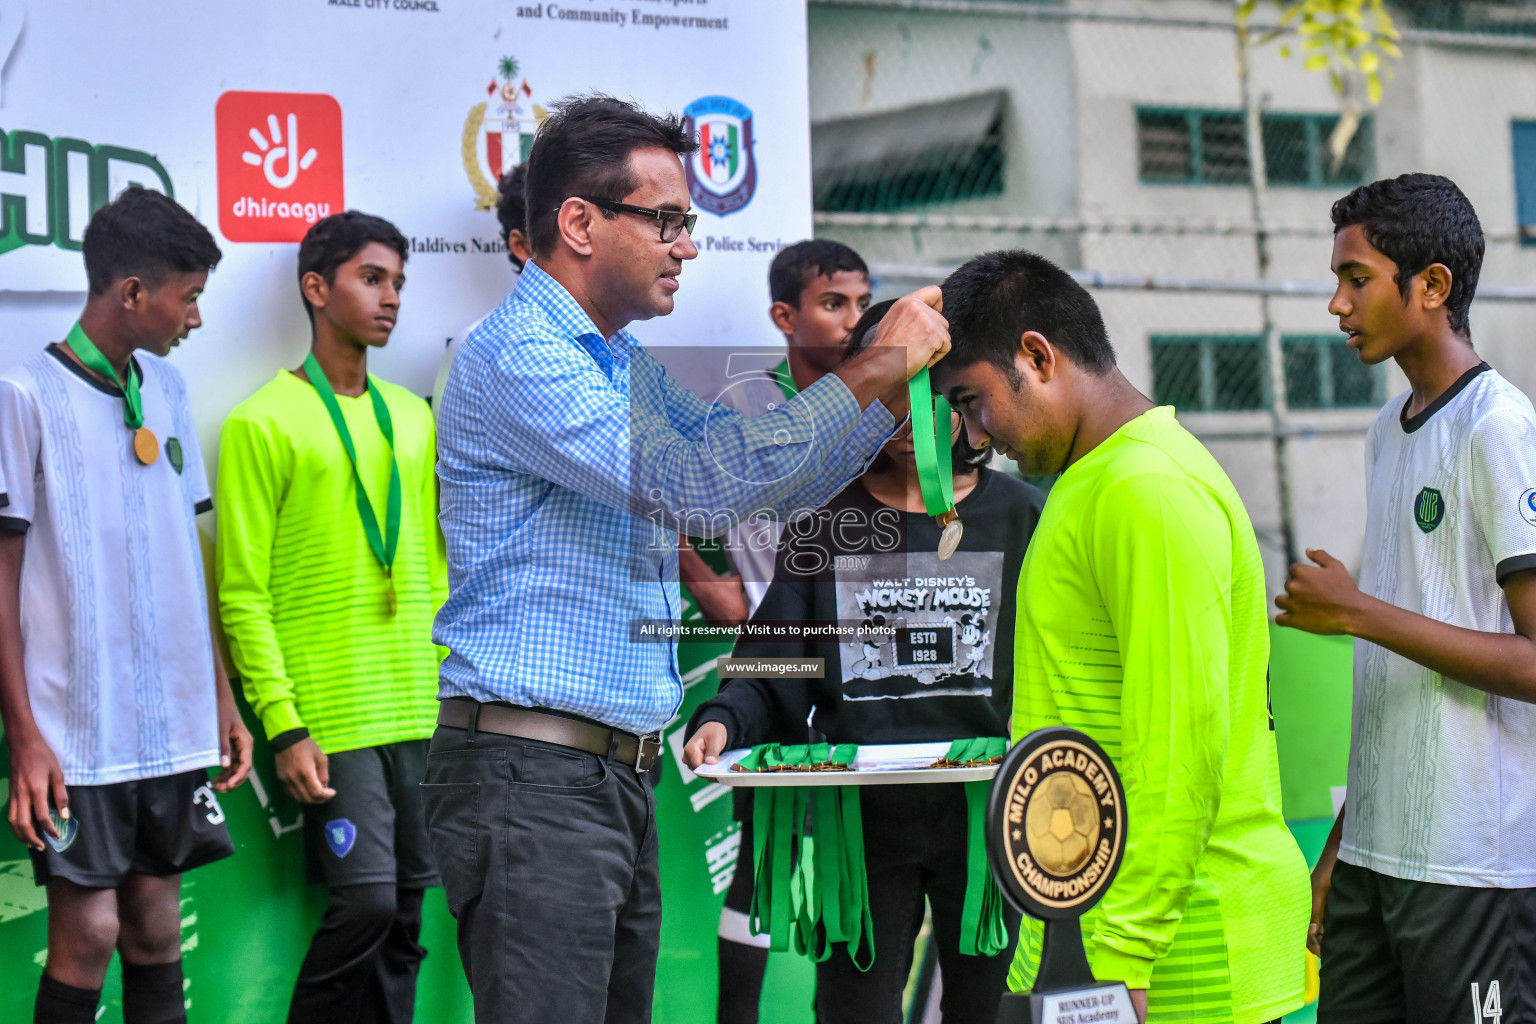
column 640, row 742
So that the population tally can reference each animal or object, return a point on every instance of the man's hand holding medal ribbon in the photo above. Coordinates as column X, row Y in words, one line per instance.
column 931, row 416
column 917, row 321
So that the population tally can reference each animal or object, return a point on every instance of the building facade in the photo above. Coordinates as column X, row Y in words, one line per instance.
column 1110, row 136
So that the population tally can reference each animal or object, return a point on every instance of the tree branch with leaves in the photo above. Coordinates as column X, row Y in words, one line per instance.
column 1350, row 39
column 1353, row 40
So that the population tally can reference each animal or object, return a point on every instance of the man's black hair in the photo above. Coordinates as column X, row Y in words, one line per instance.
column 992, row 301
column 1417, row 220
column 335, row 239
column 964, row 456
column 796, row 266
column 583, row 149
column 144, row 234
column 512, row 207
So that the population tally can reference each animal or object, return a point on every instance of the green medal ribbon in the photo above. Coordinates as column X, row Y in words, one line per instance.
column 983, row 931
column 785, row 381
column 90, row 355
column 383, row 547
column 822, row 897
column 930, row 436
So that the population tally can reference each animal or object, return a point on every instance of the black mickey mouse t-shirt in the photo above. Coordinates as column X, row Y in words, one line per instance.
column 915, row 648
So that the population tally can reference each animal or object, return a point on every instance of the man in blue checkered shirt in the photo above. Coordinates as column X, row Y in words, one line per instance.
column 569, row 462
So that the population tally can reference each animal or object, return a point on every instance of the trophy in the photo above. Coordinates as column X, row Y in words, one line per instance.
column 1055, row 838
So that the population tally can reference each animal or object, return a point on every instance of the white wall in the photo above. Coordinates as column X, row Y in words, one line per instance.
column 1075, row 86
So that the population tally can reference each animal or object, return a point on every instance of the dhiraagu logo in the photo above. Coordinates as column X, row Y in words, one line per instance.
column 49, row 187
column 279, row 162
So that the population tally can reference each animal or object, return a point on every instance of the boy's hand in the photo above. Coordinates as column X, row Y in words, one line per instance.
column 234, row 746
column 705, row 746
column 1321, row 598
column 1139, row 1002
column 1322, row 881
column 1322, row 884
column 35, row 775
column 305, row 773
column 722, row 601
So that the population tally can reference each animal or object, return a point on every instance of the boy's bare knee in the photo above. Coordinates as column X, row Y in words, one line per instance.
column 150, row 931
column 97, row 930
column 82, row 933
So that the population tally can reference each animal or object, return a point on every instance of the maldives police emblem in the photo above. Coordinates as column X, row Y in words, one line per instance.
column 722, row 175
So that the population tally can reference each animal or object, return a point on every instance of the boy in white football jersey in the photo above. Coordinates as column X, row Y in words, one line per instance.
column 1425, row 897
column 112, row 692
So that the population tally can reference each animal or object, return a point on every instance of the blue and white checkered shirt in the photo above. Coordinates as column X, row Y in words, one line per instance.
column 566, row 464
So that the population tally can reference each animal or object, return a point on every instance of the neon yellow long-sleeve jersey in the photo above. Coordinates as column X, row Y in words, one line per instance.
column 1142, row 621
column 303, row 596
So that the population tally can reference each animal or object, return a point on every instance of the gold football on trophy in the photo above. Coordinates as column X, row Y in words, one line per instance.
column 1062, row 821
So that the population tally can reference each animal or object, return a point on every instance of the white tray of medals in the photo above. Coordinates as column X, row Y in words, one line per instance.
column 876, row 764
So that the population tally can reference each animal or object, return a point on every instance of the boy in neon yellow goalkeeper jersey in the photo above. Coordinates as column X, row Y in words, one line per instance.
column 1142, row 622
column 331, row 566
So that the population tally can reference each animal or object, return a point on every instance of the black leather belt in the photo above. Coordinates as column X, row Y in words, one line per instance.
column 639, row 752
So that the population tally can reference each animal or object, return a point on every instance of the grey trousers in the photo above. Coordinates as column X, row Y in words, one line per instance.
column 549, row 862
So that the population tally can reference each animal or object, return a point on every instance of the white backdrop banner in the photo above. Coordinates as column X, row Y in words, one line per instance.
column 263, row 117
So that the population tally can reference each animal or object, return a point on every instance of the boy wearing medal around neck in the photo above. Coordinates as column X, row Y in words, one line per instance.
column 331, row 568
column 1141, row 622
column 112, row 690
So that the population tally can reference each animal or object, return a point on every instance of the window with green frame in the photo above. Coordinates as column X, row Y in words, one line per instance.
column 1178, row 146
column 1209, row 372
column 1229, row 373
column 1323, row 372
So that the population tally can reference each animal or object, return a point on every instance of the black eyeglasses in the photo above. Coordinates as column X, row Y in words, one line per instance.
column 671, row 222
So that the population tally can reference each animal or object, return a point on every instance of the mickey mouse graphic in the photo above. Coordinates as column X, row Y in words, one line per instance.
column 974, row 633
column 871, row 637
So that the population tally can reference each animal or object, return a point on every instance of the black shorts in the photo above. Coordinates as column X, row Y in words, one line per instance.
column 373, row 830
column 1421, row 953
column 160, row 826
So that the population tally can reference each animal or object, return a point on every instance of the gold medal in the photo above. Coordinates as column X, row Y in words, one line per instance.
column 146, row 448
column 949, row 540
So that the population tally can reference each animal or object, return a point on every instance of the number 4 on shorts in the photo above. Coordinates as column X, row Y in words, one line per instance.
column 1486, row 1011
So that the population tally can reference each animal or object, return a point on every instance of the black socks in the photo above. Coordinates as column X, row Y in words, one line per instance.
column 152, row 994
column 58, row 1003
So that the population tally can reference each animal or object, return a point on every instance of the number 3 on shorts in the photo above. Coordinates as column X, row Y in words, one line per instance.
column 1486, row 1011
column 203, row 796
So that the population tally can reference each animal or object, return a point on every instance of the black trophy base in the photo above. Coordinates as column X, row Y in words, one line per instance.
column 1065, row 990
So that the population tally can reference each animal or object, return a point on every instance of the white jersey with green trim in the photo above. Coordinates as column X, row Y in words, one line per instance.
column 1442, row 777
